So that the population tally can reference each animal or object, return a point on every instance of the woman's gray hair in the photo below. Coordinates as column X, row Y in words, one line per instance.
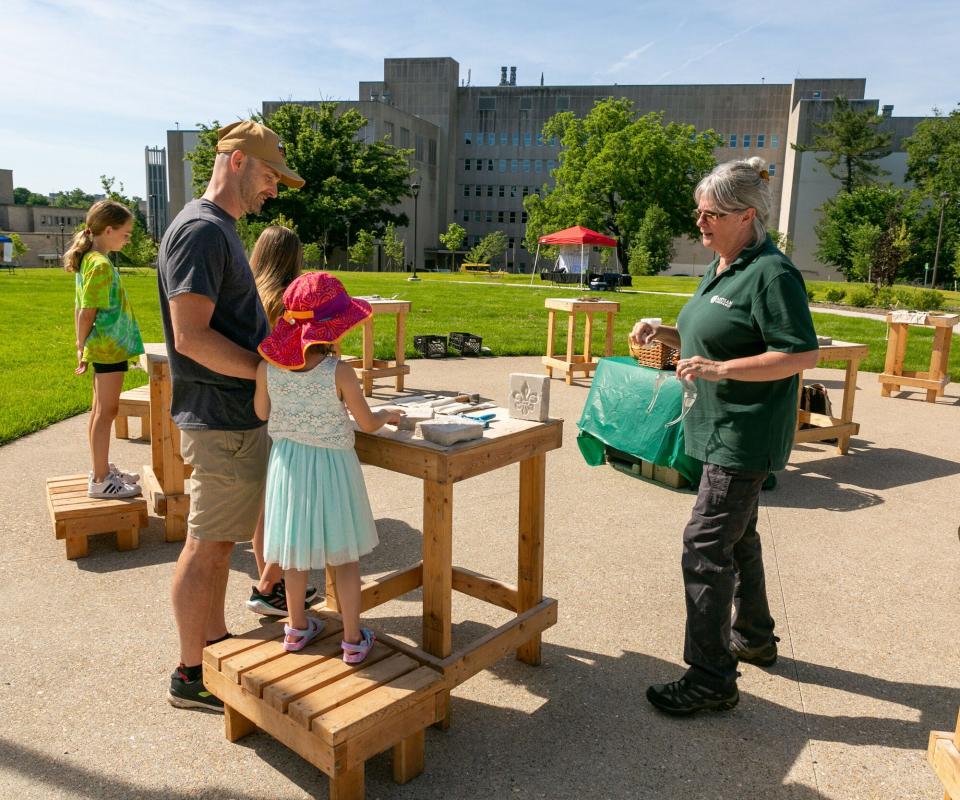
column 738, row 185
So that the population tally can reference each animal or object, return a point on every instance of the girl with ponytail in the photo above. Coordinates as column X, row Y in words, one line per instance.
column 107, row 335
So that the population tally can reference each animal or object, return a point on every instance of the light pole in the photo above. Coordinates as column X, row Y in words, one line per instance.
column 944, row 196
column 415, row 191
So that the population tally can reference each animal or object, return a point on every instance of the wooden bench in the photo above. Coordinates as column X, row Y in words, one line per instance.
column 334, row 715
column 76, row 516
column 134, row 403
column 943, row 754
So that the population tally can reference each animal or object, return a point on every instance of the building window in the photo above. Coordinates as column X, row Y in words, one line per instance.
column 466, row 165
column 526, row 165
column 771, row 170
column 523, row 217
column 419, row 151
column 516, row 139
column 513, row 217
column 527, row 138
column 513, row 191
column 479, row 165
column 404, row 137
column 501, row 190
column 761, row 140
column 499, row 216
column 467, row 137
column 476, row 216
column 491, row 138
column 817, row 94
column 550, row 165
column 490, row 165
column 513, row 165
column 476, row 190
column 486, row 103
column 539, row 140
column 489, row 215
column 432, row 152
column 746, row 141
column 489, row 190
column 563, row 102
column 526, row 190
column 774, row 140
column 466, row 190
column 538, row 165
column 466, row 215
column 733, row 140
column 388, row 130
column 553, row 141
column 503, row 137
column 503, row 165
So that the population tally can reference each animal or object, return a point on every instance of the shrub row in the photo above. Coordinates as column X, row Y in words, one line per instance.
column 886, row 297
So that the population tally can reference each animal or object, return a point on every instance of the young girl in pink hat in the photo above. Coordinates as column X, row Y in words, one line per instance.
column 317, row 510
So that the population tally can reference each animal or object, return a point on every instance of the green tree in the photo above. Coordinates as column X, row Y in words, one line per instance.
column 844, row 216
column 393, row 246
column 933, row 165
column 652, row 250
column 489, row 249
column 783, row 242
column 141, row 250
column 75, row 198
column 350, row 185
column 852, row 141
column 613, row 166
column 361, row 251
column 312, row 255
column 24, row 197
column 453, row 239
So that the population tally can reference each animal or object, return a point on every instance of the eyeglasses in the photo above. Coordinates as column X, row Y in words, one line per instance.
column 709, row 216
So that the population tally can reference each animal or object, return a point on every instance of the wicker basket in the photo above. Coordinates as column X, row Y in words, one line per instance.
column 656, row 355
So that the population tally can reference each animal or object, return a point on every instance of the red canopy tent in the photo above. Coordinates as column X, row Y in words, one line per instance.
column 577, row 235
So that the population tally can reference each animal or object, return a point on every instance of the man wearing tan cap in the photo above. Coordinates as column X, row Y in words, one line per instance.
column 212, row 324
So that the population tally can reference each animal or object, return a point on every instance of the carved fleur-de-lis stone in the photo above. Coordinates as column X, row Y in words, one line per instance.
column 528, row 397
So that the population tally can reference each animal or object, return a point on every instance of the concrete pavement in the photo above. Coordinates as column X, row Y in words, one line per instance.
column 862, row 562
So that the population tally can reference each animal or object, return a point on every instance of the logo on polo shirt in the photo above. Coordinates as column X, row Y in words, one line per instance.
column 722, row 301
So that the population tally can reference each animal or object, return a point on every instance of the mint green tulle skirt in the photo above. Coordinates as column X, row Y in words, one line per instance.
column 317, row 511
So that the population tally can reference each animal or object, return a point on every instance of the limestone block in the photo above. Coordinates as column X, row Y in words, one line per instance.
column 448, row 431
column 529, row 397
column 413, row 415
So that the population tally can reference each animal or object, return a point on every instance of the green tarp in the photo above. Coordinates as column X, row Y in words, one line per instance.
column 616, row 415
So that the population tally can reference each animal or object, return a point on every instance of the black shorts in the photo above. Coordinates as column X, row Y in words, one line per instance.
column 120, row 366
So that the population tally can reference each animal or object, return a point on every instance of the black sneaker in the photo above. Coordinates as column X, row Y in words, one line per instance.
column 274, row 603
column 185, row 693
column 763, row 656
column 684, row 697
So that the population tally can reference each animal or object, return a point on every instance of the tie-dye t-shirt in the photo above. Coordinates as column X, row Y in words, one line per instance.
column 115, row 336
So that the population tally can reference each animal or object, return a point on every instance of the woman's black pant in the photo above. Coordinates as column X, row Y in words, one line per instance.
column 723, row 575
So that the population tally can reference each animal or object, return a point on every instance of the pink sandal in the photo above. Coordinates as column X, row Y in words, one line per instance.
column 305, row 635
column 355, row 653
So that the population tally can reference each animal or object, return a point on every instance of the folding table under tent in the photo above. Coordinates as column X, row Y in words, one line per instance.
column 573, row 243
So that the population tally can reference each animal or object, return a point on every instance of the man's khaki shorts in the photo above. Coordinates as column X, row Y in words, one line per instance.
column 228, row 482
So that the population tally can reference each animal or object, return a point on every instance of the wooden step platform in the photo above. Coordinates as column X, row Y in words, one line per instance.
column 134, row 403
column 943, row 754
column 76, row 516
column 335, row 715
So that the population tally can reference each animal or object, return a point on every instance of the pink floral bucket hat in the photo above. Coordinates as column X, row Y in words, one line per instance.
column 318, row 310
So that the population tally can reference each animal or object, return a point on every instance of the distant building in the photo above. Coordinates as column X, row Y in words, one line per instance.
column 45, row 230
column 180, row 176
column 155, row 159
column 478, row 150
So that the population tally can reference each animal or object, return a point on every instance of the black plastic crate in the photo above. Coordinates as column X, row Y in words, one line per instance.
column 466, row 344
column 431, row 346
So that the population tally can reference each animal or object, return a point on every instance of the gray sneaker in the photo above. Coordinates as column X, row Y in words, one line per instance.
column 126, row 477
column 763, row 656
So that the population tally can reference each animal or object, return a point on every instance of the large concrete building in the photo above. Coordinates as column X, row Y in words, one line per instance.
column 478, row 149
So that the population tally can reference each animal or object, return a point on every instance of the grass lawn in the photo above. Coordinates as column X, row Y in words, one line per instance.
column 38, row 387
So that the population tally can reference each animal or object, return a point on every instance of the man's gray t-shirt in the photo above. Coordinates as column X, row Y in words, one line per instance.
column 201, row 253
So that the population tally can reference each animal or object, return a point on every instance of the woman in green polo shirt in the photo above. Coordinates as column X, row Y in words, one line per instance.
column 744, row 338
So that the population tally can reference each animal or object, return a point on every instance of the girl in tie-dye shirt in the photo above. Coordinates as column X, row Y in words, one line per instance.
column 107, row 336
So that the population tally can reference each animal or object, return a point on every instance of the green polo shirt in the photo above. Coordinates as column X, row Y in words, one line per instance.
column 758, row 303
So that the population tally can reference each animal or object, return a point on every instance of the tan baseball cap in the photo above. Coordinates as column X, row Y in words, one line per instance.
column 260, row 142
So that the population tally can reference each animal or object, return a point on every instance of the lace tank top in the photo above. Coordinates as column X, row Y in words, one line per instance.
column 305, row 408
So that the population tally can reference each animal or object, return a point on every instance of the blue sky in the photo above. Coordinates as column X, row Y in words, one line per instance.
column 88, row 83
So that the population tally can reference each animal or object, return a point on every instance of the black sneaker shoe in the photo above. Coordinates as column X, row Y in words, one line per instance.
column 274, row 603
column 684, row 697
column 763, row 656
column 185, row 693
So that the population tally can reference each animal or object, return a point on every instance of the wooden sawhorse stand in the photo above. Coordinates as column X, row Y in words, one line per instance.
column 369, row 368
column 574, row 363
column 163, row 478
column 937, row 376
